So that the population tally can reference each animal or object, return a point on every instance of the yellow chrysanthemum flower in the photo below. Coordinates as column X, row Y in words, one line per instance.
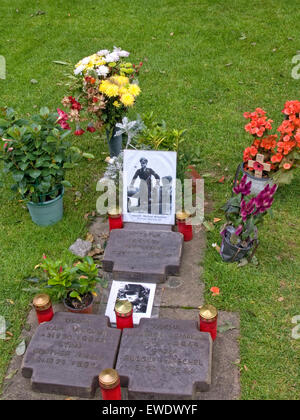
column 117, row 104
column 134, row 89
column 127, row 99
column 121, row 80
column 111, row 90
column 90, row 65
column 123, row 90
column 103, row 85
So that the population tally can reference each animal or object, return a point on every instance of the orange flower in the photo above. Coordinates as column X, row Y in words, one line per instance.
column 256, row 143
column 286, row 147
column 215, row 290
column 277, row 158
column 269, row 142
column 287, row 166
column 253, row 151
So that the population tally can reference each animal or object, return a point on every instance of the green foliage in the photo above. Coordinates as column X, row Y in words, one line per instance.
column 60, row 279
column 188, row 84
column 36, row 154
column 157, row 136
column 283, row 177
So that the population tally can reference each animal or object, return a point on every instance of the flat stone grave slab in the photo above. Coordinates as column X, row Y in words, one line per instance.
column 144, row 255
column 66, row 355
column 165, row 359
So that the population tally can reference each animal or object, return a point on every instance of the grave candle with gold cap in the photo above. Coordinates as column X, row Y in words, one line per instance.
column 183, row 227
column 115, row 218
column 109, row 382
column 43, row 307
column 124, row 311
column 208, row 315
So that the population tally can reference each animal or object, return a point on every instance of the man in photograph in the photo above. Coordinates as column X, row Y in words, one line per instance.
column 145, row 191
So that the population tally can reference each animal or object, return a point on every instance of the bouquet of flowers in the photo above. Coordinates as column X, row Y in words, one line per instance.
column 283, row 153
column 104, row 86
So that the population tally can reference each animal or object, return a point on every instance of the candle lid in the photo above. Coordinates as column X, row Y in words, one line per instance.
column 108, row 378
column 41, row 302
column 208, row 311
column 123, row 307
column 114, row 211
column 182, row 215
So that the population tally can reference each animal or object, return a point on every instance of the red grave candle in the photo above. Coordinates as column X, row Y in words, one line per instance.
column 208, row 316
column 109, row 382
column 115, row 219
column 43, row 308
column 124, row 311
column 183, row 227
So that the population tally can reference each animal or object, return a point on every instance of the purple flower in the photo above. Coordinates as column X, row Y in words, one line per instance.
column 243, row 187
column 247, row 208
column 264, row 200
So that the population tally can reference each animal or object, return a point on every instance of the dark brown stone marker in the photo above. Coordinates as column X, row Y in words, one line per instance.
column 165, row 359
column 66, row 355
column 143, row 255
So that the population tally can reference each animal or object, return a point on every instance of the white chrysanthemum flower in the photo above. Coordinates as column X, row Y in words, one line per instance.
column 120, row 52
column 79, row 69
column 85, row 60
column 112, row 57
column 103, row 52
column 102, row 71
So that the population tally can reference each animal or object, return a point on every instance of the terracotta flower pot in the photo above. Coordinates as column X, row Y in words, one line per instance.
column 87, row 309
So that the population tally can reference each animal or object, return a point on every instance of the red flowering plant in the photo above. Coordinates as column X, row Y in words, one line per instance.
column 103, row 87
column 281, row 153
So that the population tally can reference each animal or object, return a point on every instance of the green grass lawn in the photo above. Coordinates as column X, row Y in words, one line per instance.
column 205, row 63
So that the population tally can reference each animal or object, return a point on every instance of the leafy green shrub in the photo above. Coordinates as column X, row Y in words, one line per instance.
column 36, row 154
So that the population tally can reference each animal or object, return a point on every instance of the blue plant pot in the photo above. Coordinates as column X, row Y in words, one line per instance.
column 114, row 143
column 47, row 213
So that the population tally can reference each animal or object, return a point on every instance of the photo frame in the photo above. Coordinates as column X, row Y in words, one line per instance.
column 141, row 295
column 149, row 186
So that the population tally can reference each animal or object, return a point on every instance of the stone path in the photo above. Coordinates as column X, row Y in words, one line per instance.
column 178, row 292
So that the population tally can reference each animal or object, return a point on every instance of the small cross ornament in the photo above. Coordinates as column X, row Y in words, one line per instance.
column 259, row 165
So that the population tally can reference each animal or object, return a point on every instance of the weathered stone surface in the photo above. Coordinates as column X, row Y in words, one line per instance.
column 187, row 288
column 225, row 375
column 66, row 355
column 81, row 248
column 143, row 255
column 145, row 226
column 165, row 359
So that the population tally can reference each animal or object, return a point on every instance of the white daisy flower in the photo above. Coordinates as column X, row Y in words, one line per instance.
column 79, row 69
column 85, row 60
column 102, row 71
column 112, row 57
column 102, row 52
column 120, row 52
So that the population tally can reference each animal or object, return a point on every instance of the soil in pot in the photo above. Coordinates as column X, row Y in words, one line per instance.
column 85, row 306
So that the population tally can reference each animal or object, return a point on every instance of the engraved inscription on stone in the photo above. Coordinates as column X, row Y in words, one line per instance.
column 165, row 359
column 148, row 255
column 66, row 355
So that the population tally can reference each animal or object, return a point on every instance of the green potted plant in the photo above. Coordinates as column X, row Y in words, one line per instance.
column 74, row 284
column 35, row 153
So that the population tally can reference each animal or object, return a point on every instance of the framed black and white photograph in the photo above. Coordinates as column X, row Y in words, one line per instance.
column 141, row 296
column 149, row 182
